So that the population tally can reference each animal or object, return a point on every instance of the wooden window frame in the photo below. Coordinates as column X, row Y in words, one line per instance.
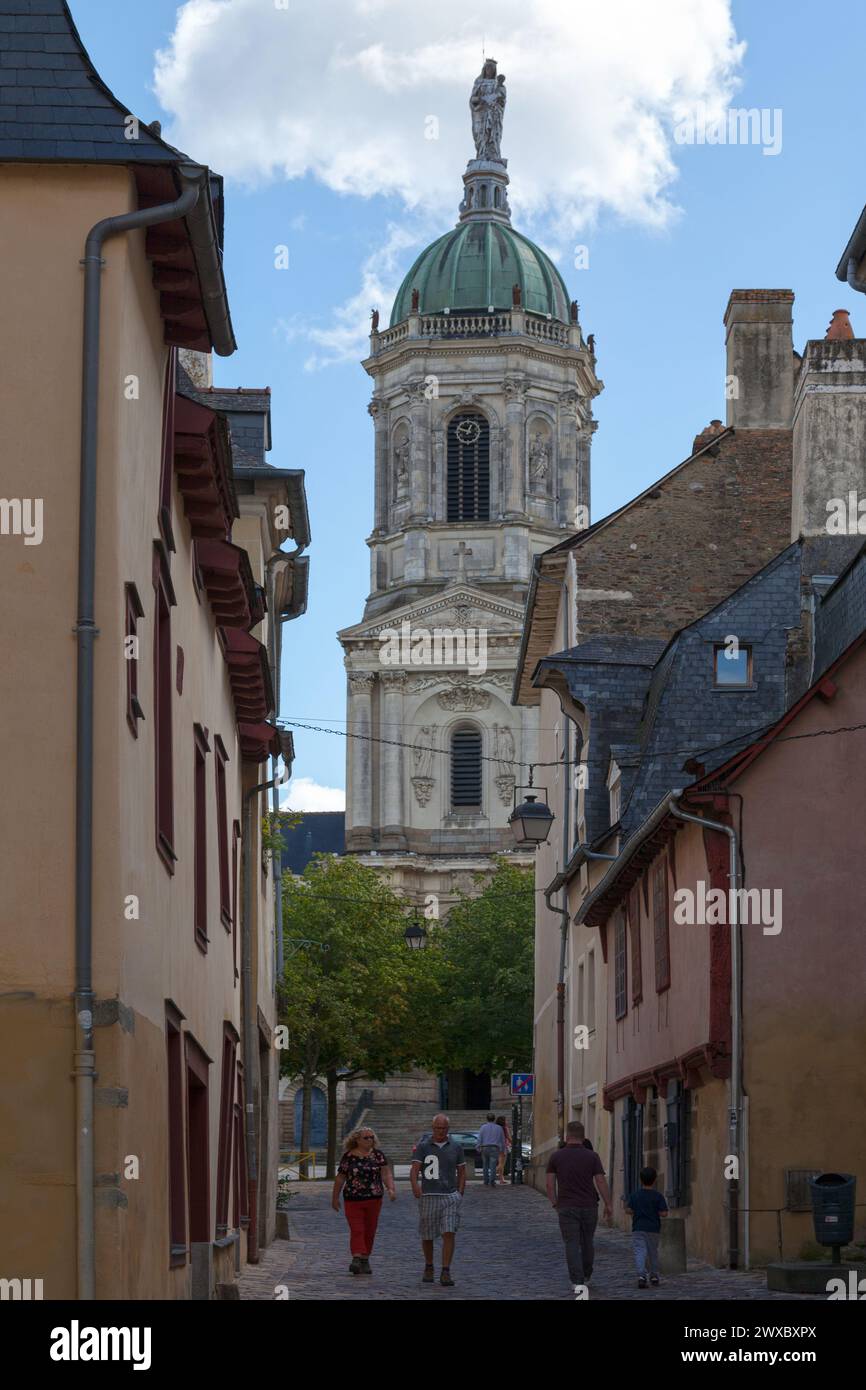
column 220, row 761
column 198, row 1140
column 719, row 648
column 236, row 876
column 200, row 856
column 636, row 955
column 177, row 1227
column 163, row 711
column 620, row 964
column 166, row 467
column 133, row 611
column 240, row 1176
column 661, row 925
column 226, row 1127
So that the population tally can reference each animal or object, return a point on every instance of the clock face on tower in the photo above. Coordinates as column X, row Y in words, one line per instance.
column 468, row 431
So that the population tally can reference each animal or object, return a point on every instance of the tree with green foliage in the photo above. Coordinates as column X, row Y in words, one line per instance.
column 482, row 962
column 347, row 999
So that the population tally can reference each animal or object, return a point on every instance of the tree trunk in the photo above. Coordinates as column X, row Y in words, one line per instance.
column 306, row 1120
column 331, row 1077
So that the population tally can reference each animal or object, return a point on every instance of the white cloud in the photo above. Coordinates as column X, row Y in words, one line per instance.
column 305, row 794
column 343, row 91
column 346, row 339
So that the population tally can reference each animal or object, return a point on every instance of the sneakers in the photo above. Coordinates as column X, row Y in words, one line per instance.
column 429, row 1275
column 355, row 1266
column 641, row 1283
column 445, row 1278
column 365, row 1265
column 654, row 1279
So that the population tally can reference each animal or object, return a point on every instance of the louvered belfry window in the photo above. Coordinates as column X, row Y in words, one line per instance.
column 468, row 468
column 466, row 770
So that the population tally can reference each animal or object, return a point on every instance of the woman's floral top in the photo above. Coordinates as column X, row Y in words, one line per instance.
column 363, row 1175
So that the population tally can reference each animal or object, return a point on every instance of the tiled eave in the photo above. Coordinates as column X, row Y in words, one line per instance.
column 202, row 463
column 605, row 903
column 227, row 577
column 249, row 674
column 713, row 1057
column 258, row 742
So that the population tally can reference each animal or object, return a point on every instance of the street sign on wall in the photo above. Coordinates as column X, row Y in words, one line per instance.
column 522, row 1083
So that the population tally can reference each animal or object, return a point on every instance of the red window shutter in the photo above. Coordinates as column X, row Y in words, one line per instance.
column 197, row 1140
column 134, row 611
column 200, row 835
column 176, row 1175
column 166, row 470
column 162, row 709
column 661, row 930
column 226, row 1129
column 636, row 961
column 223, row 833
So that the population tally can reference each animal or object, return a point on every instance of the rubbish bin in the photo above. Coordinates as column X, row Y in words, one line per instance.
column 833, row 1196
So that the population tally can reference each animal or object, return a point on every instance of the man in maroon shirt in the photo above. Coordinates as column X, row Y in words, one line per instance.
column 575, row 1180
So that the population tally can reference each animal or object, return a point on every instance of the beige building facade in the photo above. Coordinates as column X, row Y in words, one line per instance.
column 138, row 976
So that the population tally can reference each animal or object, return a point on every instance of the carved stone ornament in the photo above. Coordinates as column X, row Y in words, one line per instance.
column 463, row 697
column 515, row 389
column 361, row 682
column 416, row 390
column 423, row 787
column 505, row 787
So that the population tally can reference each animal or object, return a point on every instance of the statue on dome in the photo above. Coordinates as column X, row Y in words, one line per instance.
column 487, row 105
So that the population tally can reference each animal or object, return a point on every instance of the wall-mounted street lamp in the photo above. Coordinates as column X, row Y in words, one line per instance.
column 530, row 821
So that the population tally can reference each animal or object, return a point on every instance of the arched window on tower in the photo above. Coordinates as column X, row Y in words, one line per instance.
column 468, row 464
column 466, row 765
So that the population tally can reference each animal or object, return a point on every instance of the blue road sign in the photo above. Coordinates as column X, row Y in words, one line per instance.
column 522, row 1083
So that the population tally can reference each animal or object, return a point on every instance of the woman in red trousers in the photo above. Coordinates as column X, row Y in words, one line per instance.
column 362, row 1176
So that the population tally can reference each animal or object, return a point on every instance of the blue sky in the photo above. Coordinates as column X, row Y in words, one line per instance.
column 653, row 295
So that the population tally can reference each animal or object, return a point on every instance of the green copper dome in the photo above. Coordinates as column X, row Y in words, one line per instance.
column 476, row 266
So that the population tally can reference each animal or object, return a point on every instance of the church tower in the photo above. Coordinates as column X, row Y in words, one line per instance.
column 482, row 415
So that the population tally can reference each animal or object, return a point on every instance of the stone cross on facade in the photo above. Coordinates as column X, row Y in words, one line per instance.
column 461, row 552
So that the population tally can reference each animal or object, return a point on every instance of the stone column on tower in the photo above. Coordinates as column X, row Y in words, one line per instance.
column 391, row 760
column 419, row 411
column 380, row 423
column 515, row 436
column 569, row 404
column 359, row 802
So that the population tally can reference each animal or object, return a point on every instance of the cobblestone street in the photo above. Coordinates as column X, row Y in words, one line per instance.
column 508, row 1247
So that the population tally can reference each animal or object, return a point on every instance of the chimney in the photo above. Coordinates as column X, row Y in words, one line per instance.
column 829, row 471
column 760, row 359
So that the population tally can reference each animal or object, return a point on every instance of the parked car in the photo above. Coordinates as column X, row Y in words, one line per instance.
column 468, row 1139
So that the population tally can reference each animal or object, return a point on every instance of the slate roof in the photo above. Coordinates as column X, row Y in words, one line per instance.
column 840, row 617
column 317, row 832
column 53, row 103
column 248, row 412
column 661, row 699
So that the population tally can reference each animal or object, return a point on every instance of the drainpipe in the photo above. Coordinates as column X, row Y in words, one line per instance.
column 560, row 1013
column 251, row 1051
column 736, row 1081
column 83, row 1067
column 275, row 643
column 852, row 277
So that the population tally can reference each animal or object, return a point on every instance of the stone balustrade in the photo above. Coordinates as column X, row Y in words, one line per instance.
column 473, row 325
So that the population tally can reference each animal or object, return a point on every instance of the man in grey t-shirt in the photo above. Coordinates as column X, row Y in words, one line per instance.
column 441, row 1165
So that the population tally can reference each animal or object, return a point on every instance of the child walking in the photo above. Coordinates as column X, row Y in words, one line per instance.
column 647, row 1207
